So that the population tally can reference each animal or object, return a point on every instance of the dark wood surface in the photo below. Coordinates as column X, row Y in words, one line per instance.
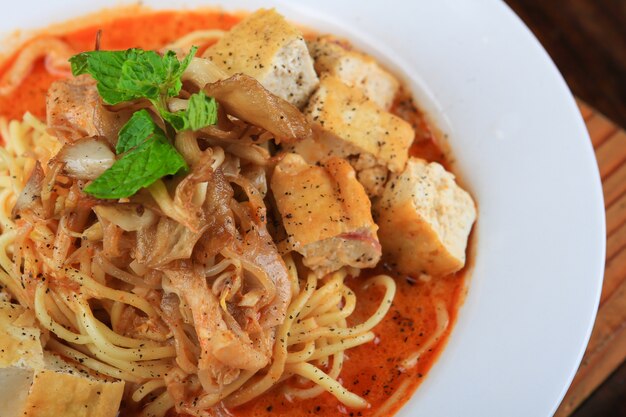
column 587, row 41
column 609, row 400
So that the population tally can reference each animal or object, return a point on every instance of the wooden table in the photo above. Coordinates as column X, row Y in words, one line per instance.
column 607, row 347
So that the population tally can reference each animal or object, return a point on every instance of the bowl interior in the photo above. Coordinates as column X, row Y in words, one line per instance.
column 521, row 148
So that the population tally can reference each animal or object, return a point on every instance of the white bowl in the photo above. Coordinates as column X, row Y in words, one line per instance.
column 523, row 150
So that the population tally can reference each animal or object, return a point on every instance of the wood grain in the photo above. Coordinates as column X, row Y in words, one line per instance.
column 606, row 351
column 600, row 128
column 616, row 242
column 611, row 153
column 608, row 400
column 615, row 214
column 607, row 346
column 614, row 186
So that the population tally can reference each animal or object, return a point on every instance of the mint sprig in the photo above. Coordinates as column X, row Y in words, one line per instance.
column 135, row 131
column 147, row 153
column 147, row 156
column 135, row 74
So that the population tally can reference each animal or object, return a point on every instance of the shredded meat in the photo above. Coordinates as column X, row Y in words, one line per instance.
column 245, row 98
column 75, row 110
column 30, row 196
column 224, row 349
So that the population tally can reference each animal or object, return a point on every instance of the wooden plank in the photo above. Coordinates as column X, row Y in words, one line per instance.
column 616, row 242
column 611, row 318
column 616, row 215
column 605, row 352
column 585, row 110
column 611, row 153
column 614, row 275
column 608, row 398
column 614, row 185
column 600, row 128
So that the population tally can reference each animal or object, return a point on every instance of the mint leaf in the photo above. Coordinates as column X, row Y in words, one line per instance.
column 136, row 131
column 138, row 168
column 133, row 74
column 175, row 70
column 148, row 156
column 79, row 64
column 151, row 75
column 201, row 112
column 142, row 74
column 147, row 153
column 106, row 68
column 178, row 119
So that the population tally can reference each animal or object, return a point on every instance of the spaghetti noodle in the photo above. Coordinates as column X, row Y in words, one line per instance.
column 310, row 343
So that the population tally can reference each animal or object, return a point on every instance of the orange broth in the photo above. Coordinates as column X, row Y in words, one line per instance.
column 370, row 370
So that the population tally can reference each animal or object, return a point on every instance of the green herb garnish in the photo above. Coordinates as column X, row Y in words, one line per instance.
column 148, row 156
column 135, row 131
column 147, row 153
column 135, row 74
column 201, row 112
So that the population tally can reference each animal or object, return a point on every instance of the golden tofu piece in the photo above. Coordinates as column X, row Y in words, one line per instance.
column 266, row 47
column 425, row 220
column 20, row 345
column 370, row 173
column 352, row 124
column 40, row 384
column 326, row 214
column 355, row 69
column 59, row 393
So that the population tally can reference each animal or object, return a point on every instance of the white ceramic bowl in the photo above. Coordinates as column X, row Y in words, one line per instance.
column 523, row 150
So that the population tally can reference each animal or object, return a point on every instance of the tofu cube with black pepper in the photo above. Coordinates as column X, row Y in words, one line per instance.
column 266, row 47
column 351, row 126
column 425, row 220
column 353, row 68
column 37, row 383
column 326, row 214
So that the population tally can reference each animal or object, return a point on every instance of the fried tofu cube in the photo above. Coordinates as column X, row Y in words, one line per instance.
column 40, row 384
column 20, row 343
column 425, row 219
column 352, row 124
column 326, row 214
column 56, row 392
column 355, row 69
column 266, row 47
column 370, row 173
